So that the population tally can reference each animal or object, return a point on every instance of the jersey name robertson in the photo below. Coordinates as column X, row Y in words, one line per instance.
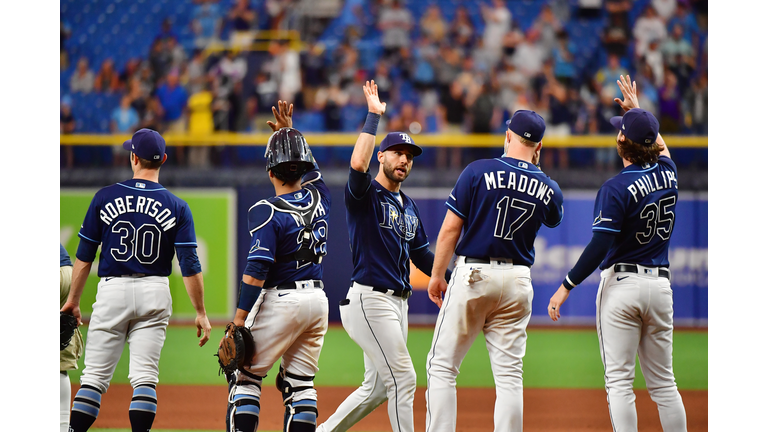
column 138, row 224
column 137, row 204
column 504, row 202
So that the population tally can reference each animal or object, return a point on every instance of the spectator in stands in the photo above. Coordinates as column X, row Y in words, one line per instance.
column 529, row 56
column 451, row 115
column 680, row 57
column 433, row 25
column 509, row 45
column 313, row 72
column 238, row 116
column 511, row 82
column 345, row 61
column 153, row 115
column 177, row 54
column 410, row 118
column 548, row 27
column 64, row 33
column 423, row 73
column 648, row 27
column 206, row 23
column 242, row 18
column 619, row 9
column 605, row 78
column 276, row 10
column 200, row 123
column 138, row 97
column 67, row 126
column 563, row 111
column 383, row 80
column 263, row 97
column 197, row 72
column 288, row 71
column 665, row 8
column 562, row 57
column 655, row 60
column 330, row 100
column 130, row 70
column 647, row 89
column 498, row 21
column 124, row 120
column 615, row 36
column 696, row 105
column 482, row 107
column 159, row 60
column 166, row 30
column 173, row 98
column 82, row 79
column 462, row 31
column 447, row 68
column 670, row 115
column 395, row 22
column 231, row 68
column 685, row 18
column 107, row 80
column 605, row 157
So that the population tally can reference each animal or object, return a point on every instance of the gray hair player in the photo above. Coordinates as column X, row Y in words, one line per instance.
column 634, row 217
column 139, row 225
column 500, row 204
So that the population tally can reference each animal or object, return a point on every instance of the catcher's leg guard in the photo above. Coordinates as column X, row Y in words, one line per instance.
column 244, row 402
column 143, row 407
column 85, row 408
column 300, row 399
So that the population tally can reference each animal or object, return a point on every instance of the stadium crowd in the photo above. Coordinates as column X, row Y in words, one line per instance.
column 438, row 75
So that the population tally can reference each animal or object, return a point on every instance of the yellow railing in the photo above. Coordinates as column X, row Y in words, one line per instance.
column 345, row 140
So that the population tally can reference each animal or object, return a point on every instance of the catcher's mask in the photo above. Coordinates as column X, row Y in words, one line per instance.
column 288, row 155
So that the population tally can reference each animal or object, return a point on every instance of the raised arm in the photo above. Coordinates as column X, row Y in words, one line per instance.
column 361, row 155
column 630, row 101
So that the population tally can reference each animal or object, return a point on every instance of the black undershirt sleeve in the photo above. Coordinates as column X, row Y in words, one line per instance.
column 590, row 259
column 423, row 259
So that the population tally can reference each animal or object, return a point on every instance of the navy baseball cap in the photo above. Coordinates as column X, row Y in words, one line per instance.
column 396, row 138
column 146, row 144
column 638, row 125
column 527, row 124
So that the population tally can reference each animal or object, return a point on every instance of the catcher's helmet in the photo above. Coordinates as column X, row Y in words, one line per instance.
column 288, row 154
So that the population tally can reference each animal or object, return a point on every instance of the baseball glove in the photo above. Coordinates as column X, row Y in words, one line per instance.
column 67, row 327
column 235, row 347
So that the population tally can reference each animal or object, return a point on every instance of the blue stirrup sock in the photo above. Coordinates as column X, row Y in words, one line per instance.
column 85, row 408
column 143, row 407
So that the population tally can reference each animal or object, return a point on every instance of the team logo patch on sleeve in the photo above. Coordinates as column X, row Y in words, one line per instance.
column 257, row 247
column 600, row 218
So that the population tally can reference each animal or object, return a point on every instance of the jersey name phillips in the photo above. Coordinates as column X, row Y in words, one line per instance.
column 651, row 183
column 520, row 183
column 140, row 204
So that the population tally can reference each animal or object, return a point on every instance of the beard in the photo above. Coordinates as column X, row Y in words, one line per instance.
column 394, row 174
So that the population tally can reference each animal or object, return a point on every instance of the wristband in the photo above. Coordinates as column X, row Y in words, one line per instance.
column 371, row 123
column 248, row 296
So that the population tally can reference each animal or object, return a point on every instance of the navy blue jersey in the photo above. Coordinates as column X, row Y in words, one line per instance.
column 64, row 257
column 638, row 205
column 382, row 232
column 503, row 203
column 138, row 223
column 275, row 233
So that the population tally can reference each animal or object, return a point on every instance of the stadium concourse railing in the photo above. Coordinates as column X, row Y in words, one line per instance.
column 348, row 140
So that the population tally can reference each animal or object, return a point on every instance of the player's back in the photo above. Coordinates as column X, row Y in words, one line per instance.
column 138, row 223
column 504, row 202
column 638, row 204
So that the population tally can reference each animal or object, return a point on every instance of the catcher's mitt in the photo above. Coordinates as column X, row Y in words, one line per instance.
column 67, row 327
column 235, row 347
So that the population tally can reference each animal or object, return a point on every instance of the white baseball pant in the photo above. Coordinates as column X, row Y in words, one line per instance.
column 634, row 317
column 378, row 323
column 127, row 309
column 495, row 299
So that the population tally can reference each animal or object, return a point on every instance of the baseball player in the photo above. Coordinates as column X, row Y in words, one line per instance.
column 281, row 299
column 138, row 224
column 500, row 204
column 385, row 232
column 68, row 356
column 634, row 217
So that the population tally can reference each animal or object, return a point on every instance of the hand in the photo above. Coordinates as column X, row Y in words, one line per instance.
column 371, row 91
column 436, row 289
column 282, row 116
column 629, row 93
column 203, row 328
column 74, row 310
column 557, row 300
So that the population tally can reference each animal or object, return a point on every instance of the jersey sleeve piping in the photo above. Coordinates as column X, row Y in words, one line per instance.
column 86, row 238
column 420, row 247
column 458, row 213
column 186, row 244
column 318, row 177
column 260, row 257
column 605, row 229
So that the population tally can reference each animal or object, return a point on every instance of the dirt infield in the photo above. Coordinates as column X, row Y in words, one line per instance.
column 204, row 407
